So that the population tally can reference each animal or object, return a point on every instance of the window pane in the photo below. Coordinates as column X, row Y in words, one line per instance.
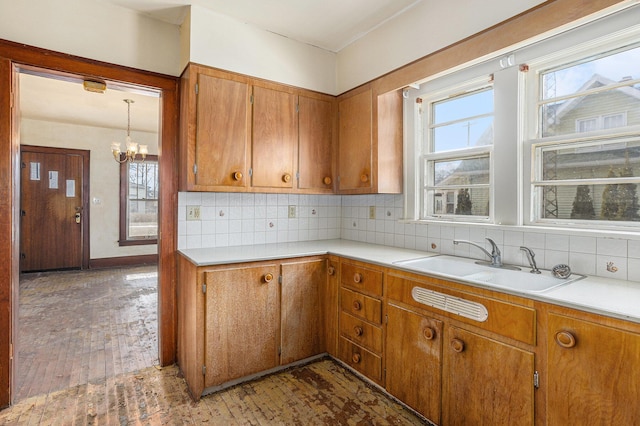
column 469, row 171
column 603, row 110
column 461, row 201
column 597, row 161
column 608, row 202
column 467, row 134
column 143, row 219
column 461, row 107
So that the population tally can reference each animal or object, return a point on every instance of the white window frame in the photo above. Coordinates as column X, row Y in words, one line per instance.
column 534, row 144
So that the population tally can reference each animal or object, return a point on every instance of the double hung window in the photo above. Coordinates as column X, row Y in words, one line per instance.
column 139, row 202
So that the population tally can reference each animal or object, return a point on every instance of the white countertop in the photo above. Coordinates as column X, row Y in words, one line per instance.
column 615, row 298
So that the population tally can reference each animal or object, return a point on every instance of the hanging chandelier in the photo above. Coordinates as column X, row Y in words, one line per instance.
column 132, row 148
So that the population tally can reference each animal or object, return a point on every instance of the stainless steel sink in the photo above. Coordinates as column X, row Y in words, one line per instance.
column 467, row 270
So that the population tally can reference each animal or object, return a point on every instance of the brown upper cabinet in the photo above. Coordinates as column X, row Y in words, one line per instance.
column 241, row 134
column 370, row 142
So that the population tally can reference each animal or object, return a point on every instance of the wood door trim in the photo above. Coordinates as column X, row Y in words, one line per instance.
column 15, row 55
column 85, row 155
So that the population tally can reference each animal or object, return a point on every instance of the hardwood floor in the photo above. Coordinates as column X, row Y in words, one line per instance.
column 76, row 327
column 322, row 393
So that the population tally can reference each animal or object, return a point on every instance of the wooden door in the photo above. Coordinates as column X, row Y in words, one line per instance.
column 275, row 138
column 53, row 208
column 315, row 144
column 222, row 132
column 242, row 322
column 355, row 143
column 593, row 373
column 300, row 315
column 329, row 306
column 485, row 382
column 413, row 356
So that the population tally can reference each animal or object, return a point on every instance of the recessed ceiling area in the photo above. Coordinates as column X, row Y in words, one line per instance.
column 328, row 24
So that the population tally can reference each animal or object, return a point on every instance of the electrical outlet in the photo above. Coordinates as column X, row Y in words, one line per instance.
column 292, row 212
column 193, row 212
column 372, row 212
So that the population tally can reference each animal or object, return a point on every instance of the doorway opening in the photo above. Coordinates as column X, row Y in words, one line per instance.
column 82, row 321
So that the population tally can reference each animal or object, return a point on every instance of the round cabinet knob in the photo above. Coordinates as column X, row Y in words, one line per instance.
column 327, row 180
column 429, row 333
column 286, row 177
column 364, row 178
column 331, row 270
column 357, row 277
column 356, row 358
column 358, row 330
column 237, row 176
column 357, row 305
column 457, row 345
column 268, row 278
column 565, row 339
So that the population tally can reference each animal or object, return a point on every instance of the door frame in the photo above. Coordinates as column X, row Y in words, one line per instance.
column 85, row 155
column 15, row 56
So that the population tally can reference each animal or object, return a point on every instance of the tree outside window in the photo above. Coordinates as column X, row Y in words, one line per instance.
column 139, row 192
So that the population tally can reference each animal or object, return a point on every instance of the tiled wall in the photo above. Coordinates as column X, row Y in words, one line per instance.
column 230, row 219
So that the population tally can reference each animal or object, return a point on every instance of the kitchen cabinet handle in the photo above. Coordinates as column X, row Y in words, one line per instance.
column 357, row 277
column 331, row 270
column 237, row 176
column 357, row 305
column 327, row 180
column 364, row 178
column 286, row 177
column 457, row 345
column 565, row 339
column 429, row 333
column 356, row 358
column 358, row 330
column 268, row 278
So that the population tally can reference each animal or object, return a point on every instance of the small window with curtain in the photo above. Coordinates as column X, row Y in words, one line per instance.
column 139, row 202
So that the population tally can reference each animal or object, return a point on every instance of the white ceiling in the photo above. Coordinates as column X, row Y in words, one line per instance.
column 328, row 24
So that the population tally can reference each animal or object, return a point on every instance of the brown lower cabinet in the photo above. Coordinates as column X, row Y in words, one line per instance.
column 523, row 363
column 238, row 320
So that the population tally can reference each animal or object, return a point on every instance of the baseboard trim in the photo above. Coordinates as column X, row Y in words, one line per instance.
column 110, row 262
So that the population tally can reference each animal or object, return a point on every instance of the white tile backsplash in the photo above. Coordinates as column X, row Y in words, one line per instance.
column 234, row 218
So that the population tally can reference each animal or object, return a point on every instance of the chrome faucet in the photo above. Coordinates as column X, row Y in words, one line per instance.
column 495, row 255
column 531, row 258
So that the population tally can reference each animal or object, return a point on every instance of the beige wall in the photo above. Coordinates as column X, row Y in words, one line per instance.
column 104, row 177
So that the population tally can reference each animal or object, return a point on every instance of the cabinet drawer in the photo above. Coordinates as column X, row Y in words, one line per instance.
column 361, row 332
column 363, row 279
column 360, row 359
column 507, row 319
column 359, row 305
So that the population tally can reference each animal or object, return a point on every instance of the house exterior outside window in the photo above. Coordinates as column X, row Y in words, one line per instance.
column 139, row 192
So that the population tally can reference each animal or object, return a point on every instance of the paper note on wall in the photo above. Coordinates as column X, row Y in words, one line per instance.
column 53, row 179
column 34, row 171
column 71, row 188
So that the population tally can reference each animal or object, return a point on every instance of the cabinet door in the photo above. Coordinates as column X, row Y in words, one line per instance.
column 329, row 303
column 486, row 382
column 355, row 144
column 275, row 138
column 315, row 144
column 222, row 132
column 413, row 357
column 593, row 374
column 242, row 322
column 300, row 301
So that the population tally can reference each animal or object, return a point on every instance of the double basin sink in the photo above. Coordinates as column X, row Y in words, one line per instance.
column 468, row 270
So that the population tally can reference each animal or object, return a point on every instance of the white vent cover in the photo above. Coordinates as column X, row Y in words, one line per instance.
column 473, row 310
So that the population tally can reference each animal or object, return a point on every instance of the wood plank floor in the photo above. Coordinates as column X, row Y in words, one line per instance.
column 321, row 393
column 76, row 327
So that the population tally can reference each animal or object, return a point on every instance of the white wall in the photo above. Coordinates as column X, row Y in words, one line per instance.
column 424, row 29
column 95, row 30
column 222, row 42
column 104, row 177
